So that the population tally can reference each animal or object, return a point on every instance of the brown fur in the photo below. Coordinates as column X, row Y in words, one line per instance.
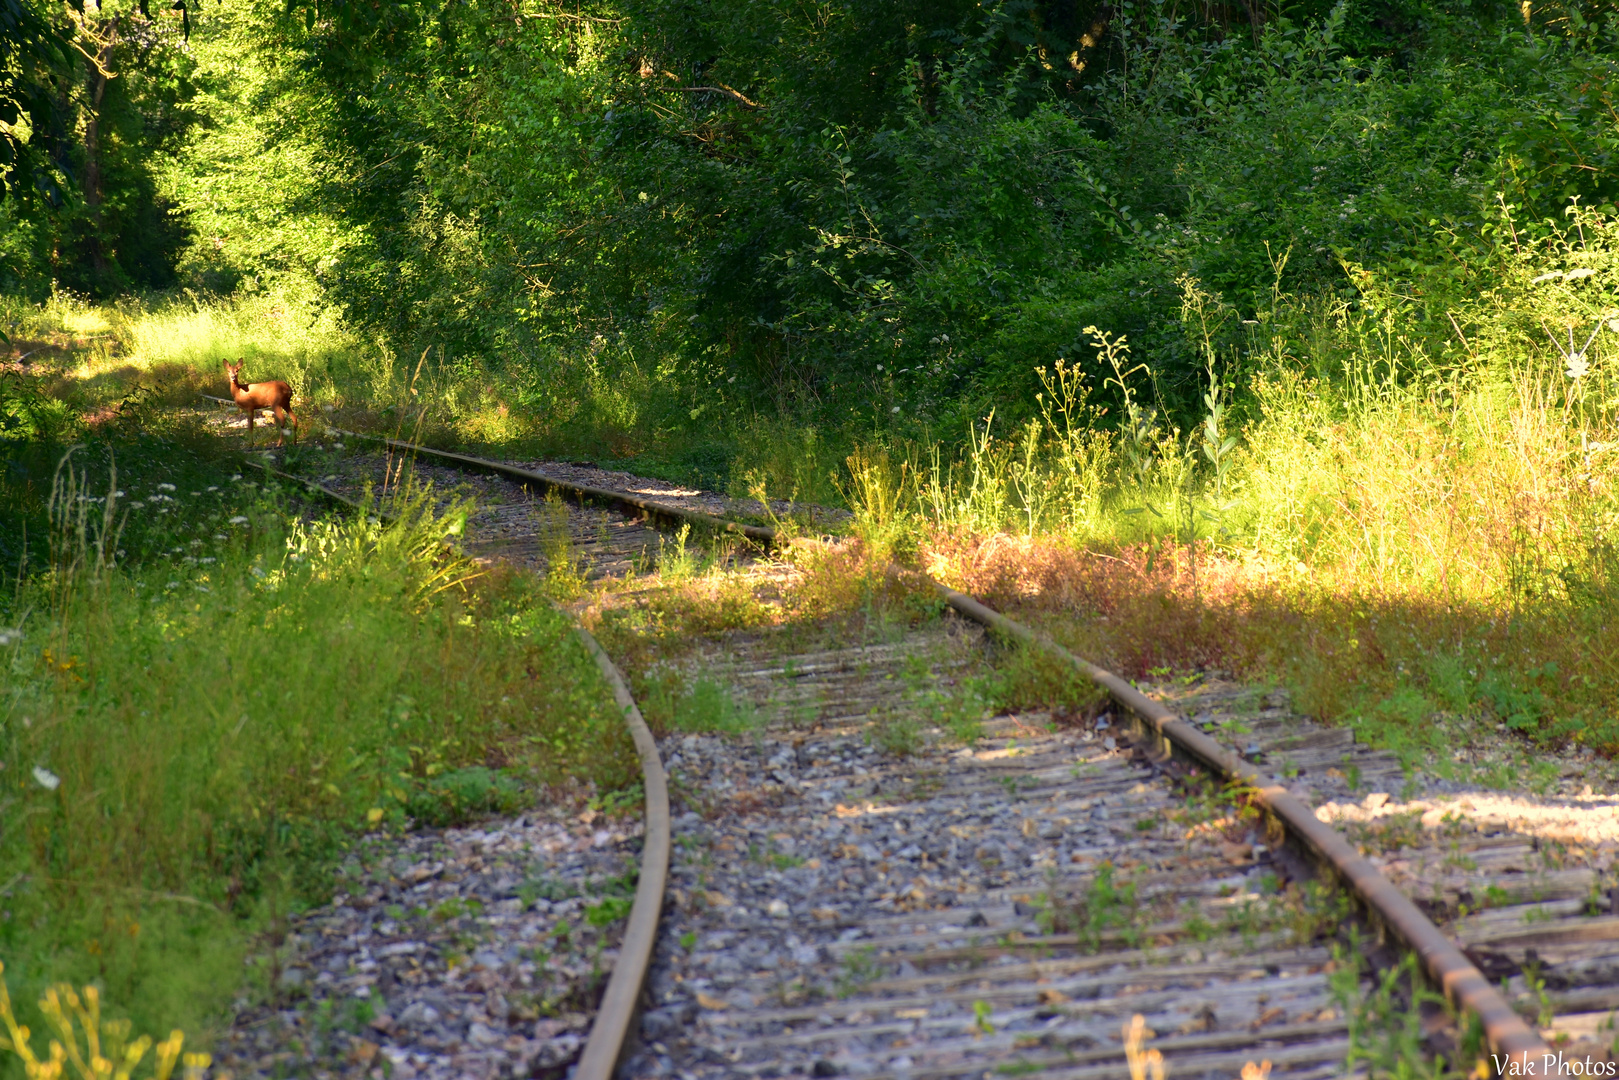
column 275, row 396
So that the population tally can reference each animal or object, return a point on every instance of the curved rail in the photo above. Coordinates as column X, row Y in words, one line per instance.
column 1519, row 1048
column 761, row 533
column 619, row 1002
column 621, row 998
column 1462, row 982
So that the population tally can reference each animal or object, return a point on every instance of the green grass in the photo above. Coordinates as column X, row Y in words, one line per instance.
column 192, row 738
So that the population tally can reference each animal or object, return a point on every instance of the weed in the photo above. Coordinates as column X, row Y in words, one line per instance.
column 1104, row 906
column 860, row 968
column 982, row 1022
column 608, row 910
column 256, row 716
column 92, row 1046
column 896, row 732
column 622, row 802
column 703, row 706
column 676, row 564
column 1385, row 1025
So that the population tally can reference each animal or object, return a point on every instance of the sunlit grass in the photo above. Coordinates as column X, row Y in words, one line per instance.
column 190, row 744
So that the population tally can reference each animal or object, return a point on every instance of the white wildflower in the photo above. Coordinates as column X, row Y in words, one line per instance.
column 1577, row 366
column 238, row 520
column 236, row 476
column 47, row 779
column 7, row 637
column 214, row 488
column 895, row 409
column 165, row 487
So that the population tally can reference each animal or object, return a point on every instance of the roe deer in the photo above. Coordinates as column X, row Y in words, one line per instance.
column 275, row 396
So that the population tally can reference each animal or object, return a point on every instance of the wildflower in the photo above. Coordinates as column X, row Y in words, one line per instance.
column 257, row 571
column 895, row 409
column 1577, row 366
column 47, row 779
column 165, row 487
column 238, row 520
column 137, row 505
column 172, row 585
column 207, row 559
column 118, row 494
column 220, row 536
column 9, row 636
column 236, row 476
column 214, row 488
column 202, row 588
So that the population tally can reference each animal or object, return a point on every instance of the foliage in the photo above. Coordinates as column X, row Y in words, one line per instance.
column 121, row 1056
column 92, row 100
column 192, row 739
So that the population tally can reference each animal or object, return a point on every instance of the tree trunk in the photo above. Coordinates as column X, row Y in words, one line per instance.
column 106, row 36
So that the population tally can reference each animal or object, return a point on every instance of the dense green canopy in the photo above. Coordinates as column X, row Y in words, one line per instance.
column 781, row 200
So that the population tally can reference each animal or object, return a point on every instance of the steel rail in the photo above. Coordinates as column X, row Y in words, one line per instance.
column 620, row 1002
column 1518, row 1048
column 761, row 533
column 1462, row 983
column 621, row 999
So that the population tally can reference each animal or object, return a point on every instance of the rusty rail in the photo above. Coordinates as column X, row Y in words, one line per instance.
column 1519, row 1049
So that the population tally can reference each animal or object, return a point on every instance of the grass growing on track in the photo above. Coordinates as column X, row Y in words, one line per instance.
column 190, row 742
column 1408, row 516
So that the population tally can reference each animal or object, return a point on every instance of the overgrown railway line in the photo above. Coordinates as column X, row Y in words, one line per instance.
column 1008, row 902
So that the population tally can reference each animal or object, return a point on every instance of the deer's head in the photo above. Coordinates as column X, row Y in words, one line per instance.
column 232, row 370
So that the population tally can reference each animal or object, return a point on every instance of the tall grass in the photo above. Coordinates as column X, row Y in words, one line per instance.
column 1402, row 526
column 1486, row 476
column 189, row 745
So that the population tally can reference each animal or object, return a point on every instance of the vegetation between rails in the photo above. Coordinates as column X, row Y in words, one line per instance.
column 1279, row 339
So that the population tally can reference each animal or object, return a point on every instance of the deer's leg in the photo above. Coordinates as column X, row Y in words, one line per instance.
column 250, row 413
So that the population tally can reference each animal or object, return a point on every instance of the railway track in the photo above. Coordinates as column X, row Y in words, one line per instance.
column 870, row 879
